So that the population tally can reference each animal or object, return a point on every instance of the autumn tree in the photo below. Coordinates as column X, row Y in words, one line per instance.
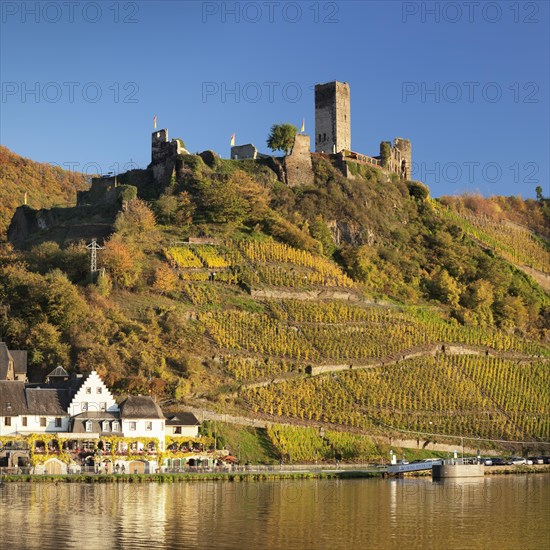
column 221, row 200
column 446, row 288
column 64, row 305
column 165, row 279
column 122, row 261
column 175, row 209
column 136, row 219
column 319, row 230
column 45, row 346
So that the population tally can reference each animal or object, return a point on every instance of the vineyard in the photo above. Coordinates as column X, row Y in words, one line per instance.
column 513, row 242
column 271, row 251
column 270, row 348
column 336, row 331
column 250, row 368
column 256, row 264
column 181, row 257
column 297, row 444
column 466, row 395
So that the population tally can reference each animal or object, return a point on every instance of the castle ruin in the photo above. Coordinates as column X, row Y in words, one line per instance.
column 164, row 154
column 333, row 138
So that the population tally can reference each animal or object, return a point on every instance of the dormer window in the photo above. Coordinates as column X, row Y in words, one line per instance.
column 88, row 425
column 115, row 426
column 106, row 426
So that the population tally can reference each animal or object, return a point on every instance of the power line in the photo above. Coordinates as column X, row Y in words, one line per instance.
column 93, row 247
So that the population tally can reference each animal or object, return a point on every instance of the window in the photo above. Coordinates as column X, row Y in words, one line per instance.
column 88, row 390
column 98, row 390
column 132, row 426
column 115, row 426
column 43, row 421
column 84, row 406
column 7, row 421
column 177, row 430
column 148, row 426
column 88, row 426
column 102, row 406
column 58, row 422
column 106, row 426
column 24, row 421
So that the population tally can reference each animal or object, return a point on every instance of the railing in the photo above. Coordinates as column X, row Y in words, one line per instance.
column 351, row 155
column 261, row 468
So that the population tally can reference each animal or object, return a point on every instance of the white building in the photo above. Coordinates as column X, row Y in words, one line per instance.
column 83, row 407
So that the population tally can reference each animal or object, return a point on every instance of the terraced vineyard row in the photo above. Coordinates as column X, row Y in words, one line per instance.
column 257, row 333
column 512, row 242
column 466, row 395
column 318, row 336
column 185, row 257
column 256, row 264
column 287, row 276
column 250, row 368
column 273, row 252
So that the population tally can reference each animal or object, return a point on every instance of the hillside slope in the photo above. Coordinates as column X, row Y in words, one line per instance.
column 45, row 185
column 356, row 304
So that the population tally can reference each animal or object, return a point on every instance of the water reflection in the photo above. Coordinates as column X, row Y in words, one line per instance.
column 499, row 512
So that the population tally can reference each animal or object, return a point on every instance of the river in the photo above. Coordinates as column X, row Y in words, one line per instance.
column 500, row 512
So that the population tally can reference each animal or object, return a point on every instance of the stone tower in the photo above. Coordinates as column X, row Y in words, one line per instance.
column 332, row 117
column 404, row 147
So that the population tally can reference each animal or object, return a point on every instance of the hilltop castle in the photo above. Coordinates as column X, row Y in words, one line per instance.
column 333, row 137
column 110, row 192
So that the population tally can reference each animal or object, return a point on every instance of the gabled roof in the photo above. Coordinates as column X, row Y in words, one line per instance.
column 58, row 371
column 182, row 419
column 19, row 361
column 18, row 358
column 47, row 401
column 140, row 406
column 4, row 360
column 13, row 401
column 18, row 398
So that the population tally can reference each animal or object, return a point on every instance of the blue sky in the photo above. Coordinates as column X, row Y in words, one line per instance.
column 467, row 82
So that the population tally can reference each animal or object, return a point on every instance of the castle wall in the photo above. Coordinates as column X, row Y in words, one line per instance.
column 298, row 167
column 163, row 150
column 404, row 147
column 398, row 157
column 248, row 151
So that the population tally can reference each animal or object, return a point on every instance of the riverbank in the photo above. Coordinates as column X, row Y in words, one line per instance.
column 504, row 470
column 174, row 478
column 244, row 476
